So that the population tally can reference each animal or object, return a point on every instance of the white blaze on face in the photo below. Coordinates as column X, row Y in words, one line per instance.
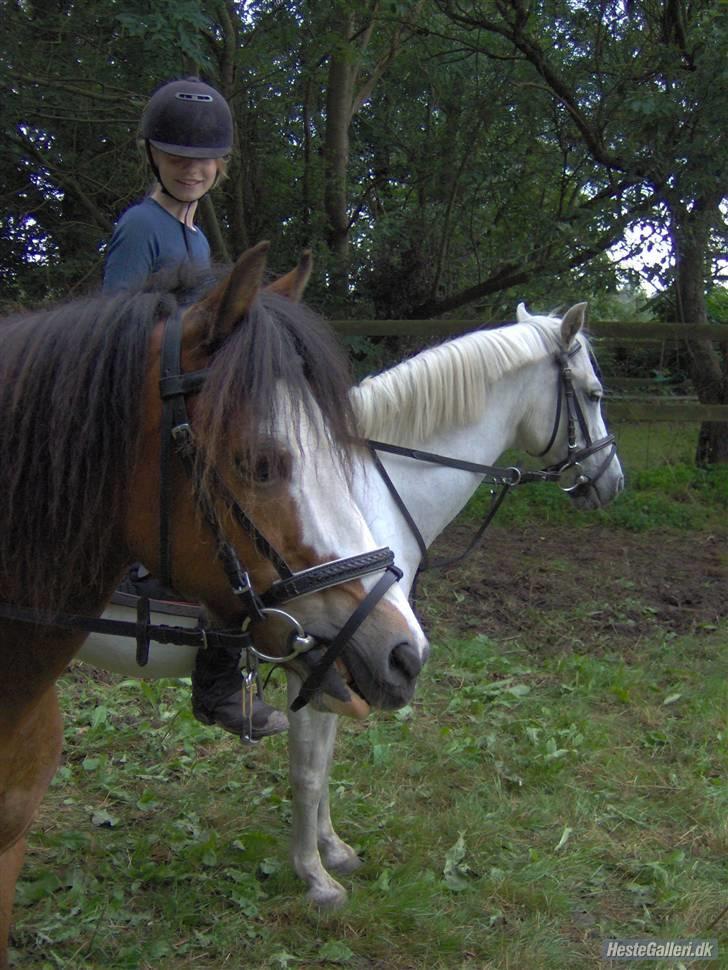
column 332, row 524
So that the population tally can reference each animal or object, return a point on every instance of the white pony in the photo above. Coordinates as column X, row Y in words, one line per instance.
column 469, row 399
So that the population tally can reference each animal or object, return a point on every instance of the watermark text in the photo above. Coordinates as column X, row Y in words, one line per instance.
column 659, row 949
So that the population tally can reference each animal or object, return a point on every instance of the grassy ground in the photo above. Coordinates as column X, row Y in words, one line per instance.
column 531, row 802
column 663, row 487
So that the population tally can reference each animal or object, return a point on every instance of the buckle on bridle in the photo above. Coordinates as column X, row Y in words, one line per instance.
column 183, row 439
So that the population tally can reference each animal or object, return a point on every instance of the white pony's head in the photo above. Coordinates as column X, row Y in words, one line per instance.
column 572, row 437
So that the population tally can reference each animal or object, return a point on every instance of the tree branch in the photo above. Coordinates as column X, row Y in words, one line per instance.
column 512, row 273
column 67, row 182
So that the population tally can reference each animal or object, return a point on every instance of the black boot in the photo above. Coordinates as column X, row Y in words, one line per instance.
column 217, row 696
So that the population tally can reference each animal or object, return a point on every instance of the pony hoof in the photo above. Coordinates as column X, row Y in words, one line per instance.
column 345, row 864
column 332, row 897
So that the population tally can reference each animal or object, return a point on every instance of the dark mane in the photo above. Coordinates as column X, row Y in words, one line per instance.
column 71, row 381
column 70, row 386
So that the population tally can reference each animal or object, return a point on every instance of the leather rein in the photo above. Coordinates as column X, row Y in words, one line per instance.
column 569, row 473
column 177, row 439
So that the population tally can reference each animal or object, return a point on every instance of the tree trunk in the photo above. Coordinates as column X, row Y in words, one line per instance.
column 712, row 444
column 211, row 227
column 690, row 231
column 339, row 98
column 231, row 192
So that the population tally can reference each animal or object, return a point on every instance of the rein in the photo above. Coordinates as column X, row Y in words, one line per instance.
column 177, row 439
column 506, row 478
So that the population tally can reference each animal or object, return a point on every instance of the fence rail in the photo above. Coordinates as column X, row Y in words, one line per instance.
column 625, row 330
column 647, row 408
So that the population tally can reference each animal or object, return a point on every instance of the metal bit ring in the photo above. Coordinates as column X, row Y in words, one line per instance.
column 299, row 641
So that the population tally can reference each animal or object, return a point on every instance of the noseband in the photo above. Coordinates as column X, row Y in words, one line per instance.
column 177, row 439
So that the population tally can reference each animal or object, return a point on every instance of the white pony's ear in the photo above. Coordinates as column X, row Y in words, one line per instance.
column 522, row 314
column 572, row 322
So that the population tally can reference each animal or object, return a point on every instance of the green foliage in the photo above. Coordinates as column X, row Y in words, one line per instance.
column 717, row 304
column 468, row 181
column 165, row 22
column 493, row 155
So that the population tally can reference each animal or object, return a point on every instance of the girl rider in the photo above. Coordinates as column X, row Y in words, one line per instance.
column 187, row 131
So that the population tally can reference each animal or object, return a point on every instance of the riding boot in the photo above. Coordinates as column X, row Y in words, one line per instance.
column 217, row 697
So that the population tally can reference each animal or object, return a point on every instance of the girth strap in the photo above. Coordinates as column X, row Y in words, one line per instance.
column 159, row 632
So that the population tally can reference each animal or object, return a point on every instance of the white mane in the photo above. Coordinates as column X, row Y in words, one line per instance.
column 448, row 385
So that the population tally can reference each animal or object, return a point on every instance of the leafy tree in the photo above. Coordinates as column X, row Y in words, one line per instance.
column 74, row 78
column 641, row 88
column 437, row 157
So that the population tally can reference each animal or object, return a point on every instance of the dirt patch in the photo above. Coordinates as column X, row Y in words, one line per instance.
column 589, row 585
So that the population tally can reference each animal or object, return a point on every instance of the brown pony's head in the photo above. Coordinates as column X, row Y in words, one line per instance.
column 272, row 427
column 80, row 426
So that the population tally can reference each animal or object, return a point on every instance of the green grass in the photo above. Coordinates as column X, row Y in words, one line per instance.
column 671, row 496
column 523, row 809
column 663, row 489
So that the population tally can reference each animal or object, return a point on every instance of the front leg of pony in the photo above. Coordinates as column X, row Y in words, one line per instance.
column 308, row 755
column 337, row 855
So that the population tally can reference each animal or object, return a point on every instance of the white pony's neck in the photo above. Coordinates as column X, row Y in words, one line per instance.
column 465, row 399
column 449, row 386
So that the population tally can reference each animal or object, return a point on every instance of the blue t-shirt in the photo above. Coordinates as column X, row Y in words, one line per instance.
column 146, row 239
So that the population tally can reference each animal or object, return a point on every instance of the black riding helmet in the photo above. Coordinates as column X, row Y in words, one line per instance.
column 188, row 118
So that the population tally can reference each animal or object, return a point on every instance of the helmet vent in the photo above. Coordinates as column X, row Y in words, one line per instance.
column 185, row 96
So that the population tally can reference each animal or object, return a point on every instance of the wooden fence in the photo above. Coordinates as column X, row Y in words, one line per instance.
column 630, row 399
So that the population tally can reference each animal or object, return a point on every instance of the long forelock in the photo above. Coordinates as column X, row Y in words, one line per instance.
column 448, row 385
column 280, row 344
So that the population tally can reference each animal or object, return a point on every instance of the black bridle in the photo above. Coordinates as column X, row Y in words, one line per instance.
column 177, row 439
column 568, row 474
column 177, row 436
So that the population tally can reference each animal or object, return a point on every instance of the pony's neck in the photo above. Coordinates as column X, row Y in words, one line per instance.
column 435, row 494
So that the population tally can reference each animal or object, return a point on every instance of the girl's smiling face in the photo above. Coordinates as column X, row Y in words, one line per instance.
column 187, row 179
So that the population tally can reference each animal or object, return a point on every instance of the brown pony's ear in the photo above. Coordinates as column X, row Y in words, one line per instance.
column 216, row 316
column 572, row 322
column 294, row 283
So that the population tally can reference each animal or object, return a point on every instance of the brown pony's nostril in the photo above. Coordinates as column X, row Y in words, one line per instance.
column 406, row 660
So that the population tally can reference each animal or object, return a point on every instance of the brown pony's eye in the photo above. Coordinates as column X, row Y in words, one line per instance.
column 263, row 472
column 268, row 468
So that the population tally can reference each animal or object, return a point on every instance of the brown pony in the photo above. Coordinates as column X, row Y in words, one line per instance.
column 80, row 433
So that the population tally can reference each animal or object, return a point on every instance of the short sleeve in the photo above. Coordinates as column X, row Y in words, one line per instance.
column 133, row 252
